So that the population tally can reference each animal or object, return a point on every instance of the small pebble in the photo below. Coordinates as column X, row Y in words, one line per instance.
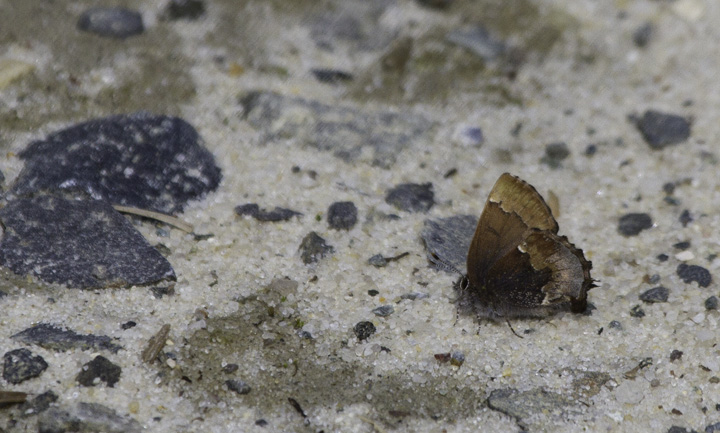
column 555, row 153
column 378, row 261
column 383, row 310
column 638, row 312
column 313, row 248
column 685, row 218
column 373, row 292
column 615, row 325
column 111, row 22
column 98, row 370
column 127, row 325
column 457, row 358
column 662, row 129
column 20, row 365
column 275, row 215
column 698, row 274
column 473, row 136
column 591, row 150
column 641, row 36
column 230, row 368
column 261, row 423
column 363, row 330
column 655, row 295
column 675, row 355
column 331, row 76
column 238, row 386
column 411, row 197
column 342, row 215
column 682, row 245
column 663, row 257
column 633, row 223
column 414, row 296
column 711, row 303
column 184, row 9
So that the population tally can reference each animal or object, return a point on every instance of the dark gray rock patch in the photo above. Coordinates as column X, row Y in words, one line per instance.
column 342, row 215
column 20, row 365
column 139, row 160
column 555, row 153
column 184, row 9
column 86, row 417
column 662, row 129
column 83, row 244
column 633, row 223
column 111, row 22
column 331, row 76
column 53, row 338
column 411, row 197
column 101, row 369
column 275, row 215
column 711, row 303
column 698, row 274
column 38, row 404
column 449, row 240
column 313, row 248
column 363, row 330
column 655, row 295
column 344, row 131
column 238, row 386
column 383, row 310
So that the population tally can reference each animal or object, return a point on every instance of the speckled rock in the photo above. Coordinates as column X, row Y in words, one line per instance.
column 111, row 22
column 37, row 405
column 411, row 197
column 238, row 386
column 363, row 330
column 53, row 338
column 342, row 215
column 275, row 215
column 100, row 369
column 83, row 244
column 86, row 417
column 662, row 129
column 655, row 295
column 633, row 223
column 138, row 160
column 20, row 365
column 313, row 248
column 698, row 274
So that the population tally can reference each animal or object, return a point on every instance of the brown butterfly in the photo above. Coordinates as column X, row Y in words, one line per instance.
column 517, row 265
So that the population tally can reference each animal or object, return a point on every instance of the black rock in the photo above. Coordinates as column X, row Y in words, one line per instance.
column 711, row 303
column 83, row 244
column 641, row 36
column 655, row 295
column 261, row 423
column 275, row 215
column 435, row 4
column 661, row 129
column 139, row 160
column 690, row 273
column 685, row 218
column 342, row 215
column 86, row 417
column 99, row 368
column 637, row 311
column 555, row 153
column 184, row 9
column 681, row 245
column 111, row 22
column 591, row 149
column 230, row 368
column 52, row 338
column 127, row 325
column 313, row 248
column 675, row 355
column 344, row 131
column 614, row 324
column 373, row 292
column 378, row 261
column 633, row 223
column 331, row 76
column 38, row 404
column 238, row 386
column 663, row 257
column 449, row 240
column 383, row 310
column 678, row 429
column 411, row 197
column 363, row 330
column 20, row 365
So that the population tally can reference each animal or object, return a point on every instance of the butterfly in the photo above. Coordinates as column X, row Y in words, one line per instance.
column 517, row 264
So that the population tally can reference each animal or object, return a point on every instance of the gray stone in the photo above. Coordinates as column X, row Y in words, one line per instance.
column 342, row 215
column 655, row 295
column 99, row 368
column 313, row 248
column 662, row 129
column 20, row 365
column 411, row 197
column 698, row 274
column 275, row 215
column 238, row 386
column 53, row 338
column 633, row 223
column 111, row 22
column 383, row 310
column 86, row 418
column 38, row 404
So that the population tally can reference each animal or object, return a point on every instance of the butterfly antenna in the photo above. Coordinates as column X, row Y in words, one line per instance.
column 511, row 328
column 442, row 264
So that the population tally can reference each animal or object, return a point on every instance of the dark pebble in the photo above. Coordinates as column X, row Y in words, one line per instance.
column 378, row 261
column 363, row 330
column 690, row 273
column 2, row 294
column 414, row 296
column 669, row 188
column 37, row 405
column 435, row 4
column 52, row 338
column 83, row 244
column 99, row 368
column 230, row 368
column 383, row 310
column 238, row 386
column 331, row 76
column 313, row 248
column 641, row 36
column 342, row 215
column 637, row 311
column 685, row 218
column 373, row 292
column 140, row 160
column 678, row 429
column 663, row 257
column 411, row 197
column 127, row 325
column 711, row 303
column 474, row 136
column 712, row 428
column 633, row 223
column 555, row 153
column 614, row 324
column 591, row 150
column 86, row 417
column 655, row 295
column 449, row 240
column 184, row 9
column 275, row 215
column 682, row 245
column 20, row 365
column 662, row 129
column 261, row 423
column 675, row 355
column 111, row 22
column 160, row 291
column 457, row 358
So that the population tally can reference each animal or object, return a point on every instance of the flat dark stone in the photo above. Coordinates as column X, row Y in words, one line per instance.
column 184, row 9
column 344, row 131
column 383, row 310
column 275, row 215
column 86, row 417
column 363, row 330
column 555, row 153
column 449, row 239
column 378, row 261
column 53, row 338
column 411, row 197
column 313, row 248
column 331, row 76
column 238, row 386
column 661, row 129
column 38, row 404
column 139, row 160
column 633, row 223
column 655, row 295
column 698, row 274
column 637, row 312
column 99, row 368
column 342, row 215
column 111, row 22
column 83, row 244
column 711, row 303
column 20, row 365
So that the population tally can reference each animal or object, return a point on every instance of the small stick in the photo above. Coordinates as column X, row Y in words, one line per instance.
column 155, row 345
column 167, row 219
